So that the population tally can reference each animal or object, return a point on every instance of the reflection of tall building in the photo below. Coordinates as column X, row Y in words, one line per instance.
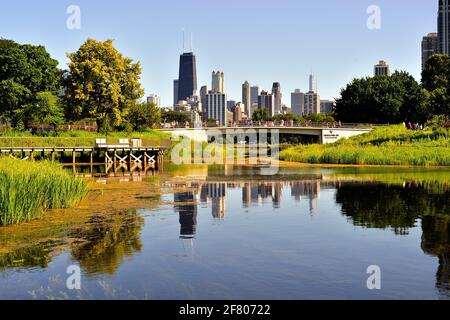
column 436, row 242
column 204, row 193
column 277, row 194
column 306, row 190
column 246, row 195
column 257, row 192
column 217, row 193
column 187, row 209
column 254, row 193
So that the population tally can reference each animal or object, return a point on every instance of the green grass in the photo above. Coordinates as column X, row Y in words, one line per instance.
column 14, row 139
column 28, row 188
column 393, row 145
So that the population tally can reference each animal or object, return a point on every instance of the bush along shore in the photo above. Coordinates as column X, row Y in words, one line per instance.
column 390, row 145
column 27, row 189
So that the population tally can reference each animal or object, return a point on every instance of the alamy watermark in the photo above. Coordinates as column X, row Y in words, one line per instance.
column 374, row 19
column 73, row 282
column 374, row 280
column 229, row 146
column 73, row 22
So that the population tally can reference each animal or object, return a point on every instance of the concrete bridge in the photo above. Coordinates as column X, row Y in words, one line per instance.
column 320, row 134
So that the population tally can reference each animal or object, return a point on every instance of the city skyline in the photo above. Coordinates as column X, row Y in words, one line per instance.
column 232, row 52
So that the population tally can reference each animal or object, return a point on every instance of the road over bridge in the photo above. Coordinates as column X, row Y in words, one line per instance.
column 322, row 134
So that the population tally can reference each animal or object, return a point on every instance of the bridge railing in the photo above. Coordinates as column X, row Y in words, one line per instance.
column 284, row 124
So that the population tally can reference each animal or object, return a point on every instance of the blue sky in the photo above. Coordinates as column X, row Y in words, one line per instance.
column 256, row 40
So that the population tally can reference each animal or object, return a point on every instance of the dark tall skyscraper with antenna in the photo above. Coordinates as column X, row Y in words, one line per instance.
column 187, row 81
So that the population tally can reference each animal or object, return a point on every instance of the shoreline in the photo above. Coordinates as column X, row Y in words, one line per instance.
column 293, row 164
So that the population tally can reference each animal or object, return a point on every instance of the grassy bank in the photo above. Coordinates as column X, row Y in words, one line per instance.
column 28, row 188
column 393, row 145
column 14, row 139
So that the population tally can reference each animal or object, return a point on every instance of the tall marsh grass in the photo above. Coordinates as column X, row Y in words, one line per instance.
column 28, row 188
column 393, row 145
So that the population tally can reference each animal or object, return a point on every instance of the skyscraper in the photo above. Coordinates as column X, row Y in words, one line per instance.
column 175, row 92
column 277, row 95
column 237, row 112
column 265, row 101
column 382, row 69
column 216, row 107
column 297, row 102
column 154, row 99
column 444, row 27
column 187, row 85
column 246, row 98
column 231, row 104
column 218, row 82
column 203, row 93
column 312, row 83
column 254, row 93
column 429, row 47
column 312, row 103
column 327, row 106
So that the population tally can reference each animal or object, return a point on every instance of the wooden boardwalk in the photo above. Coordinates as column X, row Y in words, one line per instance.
column 115, row 155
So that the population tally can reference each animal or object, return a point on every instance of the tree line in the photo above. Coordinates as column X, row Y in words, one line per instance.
column 100, row 84
column 263, row 115
column 398, row 97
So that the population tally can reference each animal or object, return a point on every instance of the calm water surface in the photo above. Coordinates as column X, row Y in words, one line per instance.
column 234, row 234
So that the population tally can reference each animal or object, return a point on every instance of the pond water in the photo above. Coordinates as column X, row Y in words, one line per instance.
column 231, row 233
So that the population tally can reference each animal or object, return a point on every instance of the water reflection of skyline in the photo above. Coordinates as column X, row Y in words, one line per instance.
column 104, row 244
column 214, row 195
column 371, row 205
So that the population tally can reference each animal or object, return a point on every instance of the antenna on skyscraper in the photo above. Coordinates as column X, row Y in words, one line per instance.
column 184, row 41
column 192, row 48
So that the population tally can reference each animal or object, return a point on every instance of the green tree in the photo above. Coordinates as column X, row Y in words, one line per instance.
column 142, row 116
column 287, row 117
column 25, row 71
column 170, row 116
column 436, row 79
column 101, row 84
column 261, row 115
column 383, row 99
column 47, row 110
column 319, row 117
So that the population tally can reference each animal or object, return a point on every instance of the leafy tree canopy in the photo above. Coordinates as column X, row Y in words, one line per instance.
column 101, row 84
column 170, row 116
column 436, row 79
column 25, row 70
column 383, row 99
column 142, row 116
column 261, row 115
column 46, row 111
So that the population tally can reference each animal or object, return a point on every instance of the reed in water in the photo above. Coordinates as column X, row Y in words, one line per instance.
column 27, row 189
